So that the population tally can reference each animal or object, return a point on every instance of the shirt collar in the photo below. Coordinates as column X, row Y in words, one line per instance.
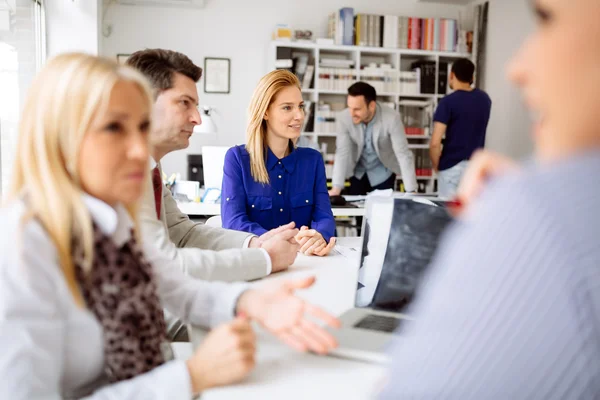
column 289, row 162
column 113, row 222
column 152, row 164
column 371, row 122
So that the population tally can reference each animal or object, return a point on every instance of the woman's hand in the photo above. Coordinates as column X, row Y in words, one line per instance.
column 225, row 356
column 312, row 242
column 285, row 315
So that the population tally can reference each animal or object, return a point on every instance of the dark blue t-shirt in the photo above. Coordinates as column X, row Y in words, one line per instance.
column 466, row 115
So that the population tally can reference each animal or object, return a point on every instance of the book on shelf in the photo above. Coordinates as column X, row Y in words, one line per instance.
column 309, row 119
column 410, row 82
column 383, row 78
column 335, row 62
column 284, row 64
column 423, row 164
column 341, row 26
column 347, row 26
column 392, row 31
column 325, row 121
column 296, row 62
column 444, row 78
column 416, row 118
column 336, row 79
column 426, row 71
column 308, row 77
column 300, row 64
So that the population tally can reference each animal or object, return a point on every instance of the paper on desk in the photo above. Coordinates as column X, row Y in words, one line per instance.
column 347, row 251
column 424, row 201
column 381, row 193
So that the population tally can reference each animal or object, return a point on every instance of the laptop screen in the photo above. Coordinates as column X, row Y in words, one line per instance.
column 400, row 237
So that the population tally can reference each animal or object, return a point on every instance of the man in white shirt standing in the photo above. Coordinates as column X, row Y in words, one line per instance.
column 201, row 251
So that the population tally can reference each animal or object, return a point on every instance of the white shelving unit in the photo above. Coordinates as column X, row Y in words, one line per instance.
column 399, row 59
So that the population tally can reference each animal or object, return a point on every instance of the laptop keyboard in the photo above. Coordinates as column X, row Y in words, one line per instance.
column 378, row 323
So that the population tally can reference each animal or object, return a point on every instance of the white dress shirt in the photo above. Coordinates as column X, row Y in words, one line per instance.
column 51, row 348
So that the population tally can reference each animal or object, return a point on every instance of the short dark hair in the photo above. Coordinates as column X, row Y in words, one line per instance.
column 363, row 89
column 464, row 70
column 159, row 66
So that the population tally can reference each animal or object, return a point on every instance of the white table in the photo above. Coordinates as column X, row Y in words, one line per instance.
column 284, row 373
column 209, row 209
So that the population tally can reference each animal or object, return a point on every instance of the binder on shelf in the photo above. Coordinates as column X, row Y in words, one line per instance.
column 309, row 125
column 443, row 77
column 284, row 64
column 308, row 77
column 378, row 30
column 300, row 64
column 347, row 26
column 426, row 70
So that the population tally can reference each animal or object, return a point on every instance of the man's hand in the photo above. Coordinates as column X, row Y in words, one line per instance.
column 312, row 242
column 274, row 232
column 335, row 191
column 281, row 246
column 285, row 315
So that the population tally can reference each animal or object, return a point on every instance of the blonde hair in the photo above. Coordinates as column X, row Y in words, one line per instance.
column 268, row 88
column 61, row 103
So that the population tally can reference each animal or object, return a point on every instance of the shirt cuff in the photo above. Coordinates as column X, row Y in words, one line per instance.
column 267, row 256
column 224, row 306
column 174, row 380
column 247, row 241
column 269, row 263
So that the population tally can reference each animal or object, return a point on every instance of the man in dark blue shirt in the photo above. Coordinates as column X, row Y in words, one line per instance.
column 463, row 117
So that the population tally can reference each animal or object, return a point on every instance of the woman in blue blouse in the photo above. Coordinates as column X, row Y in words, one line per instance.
column 271, row 182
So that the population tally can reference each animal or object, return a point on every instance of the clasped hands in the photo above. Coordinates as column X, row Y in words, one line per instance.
column 312, row 242
column 283, row 243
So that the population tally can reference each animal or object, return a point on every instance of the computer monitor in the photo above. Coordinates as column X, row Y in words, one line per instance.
column 213, row 160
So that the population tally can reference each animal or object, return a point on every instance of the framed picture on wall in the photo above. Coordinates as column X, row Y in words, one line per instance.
column 217, row 74
column 122, row 58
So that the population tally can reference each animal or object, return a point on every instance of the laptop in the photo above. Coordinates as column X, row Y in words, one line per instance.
column 400, row 236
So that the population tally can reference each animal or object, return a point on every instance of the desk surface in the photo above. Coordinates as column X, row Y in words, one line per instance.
column 209, row 209
column 284, row 373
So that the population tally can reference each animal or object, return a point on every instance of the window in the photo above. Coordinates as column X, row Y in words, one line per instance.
column 22, row 53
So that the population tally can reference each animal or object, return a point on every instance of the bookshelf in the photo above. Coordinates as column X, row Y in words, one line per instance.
column 390, row 70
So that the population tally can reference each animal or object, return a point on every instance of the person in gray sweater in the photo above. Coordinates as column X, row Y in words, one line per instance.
column 511, row 307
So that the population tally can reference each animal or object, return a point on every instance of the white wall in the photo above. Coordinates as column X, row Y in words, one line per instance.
column 21, row 38
column 239, row 30
column 72, row 25
column 509, row 24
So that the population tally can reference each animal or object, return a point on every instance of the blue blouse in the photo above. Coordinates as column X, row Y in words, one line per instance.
column 297, row 192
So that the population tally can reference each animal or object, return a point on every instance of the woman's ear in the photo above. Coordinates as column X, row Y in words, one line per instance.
column 266, row 116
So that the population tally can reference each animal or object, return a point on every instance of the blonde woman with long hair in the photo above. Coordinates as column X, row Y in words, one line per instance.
column 270, row 182
column 81, row 296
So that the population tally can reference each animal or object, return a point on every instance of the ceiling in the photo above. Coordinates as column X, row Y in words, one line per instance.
column 456, row 2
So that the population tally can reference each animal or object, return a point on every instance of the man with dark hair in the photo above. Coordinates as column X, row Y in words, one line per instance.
column 463, row 117
column 203, row 252
column 371, row 146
